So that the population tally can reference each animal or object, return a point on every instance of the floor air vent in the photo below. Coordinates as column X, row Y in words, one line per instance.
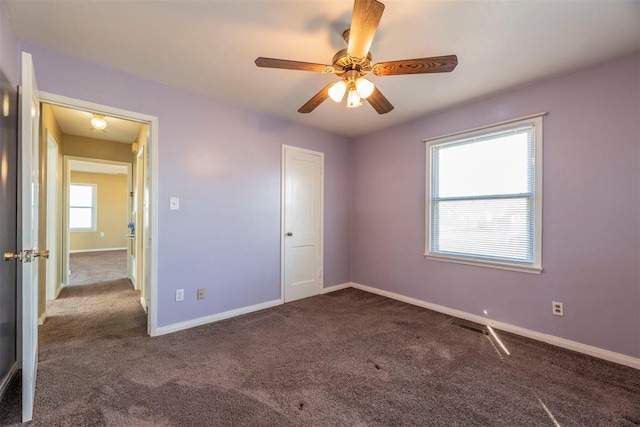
column 471, row 326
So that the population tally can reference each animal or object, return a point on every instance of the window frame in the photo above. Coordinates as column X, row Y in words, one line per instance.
column 536, row 266
column 94, row 208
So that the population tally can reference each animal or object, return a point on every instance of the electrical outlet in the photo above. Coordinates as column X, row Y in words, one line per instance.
column 200, row 293
column 102, row 234
column 179, row 294
column 557, row 308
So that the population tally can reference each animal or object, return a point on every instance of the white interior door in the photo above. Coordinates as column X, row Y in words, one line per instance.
column 28, row 232
column 302, row 222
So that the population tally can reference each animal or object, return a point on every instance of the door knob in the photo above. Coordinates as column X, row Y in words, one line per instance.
column 8, row 256
column 24, row 256
column 42, row 254
column 289, row 234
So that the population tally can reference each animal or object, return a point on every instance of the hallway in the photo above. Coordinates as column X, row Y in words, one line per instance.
column 91, row 334
column 90, row 268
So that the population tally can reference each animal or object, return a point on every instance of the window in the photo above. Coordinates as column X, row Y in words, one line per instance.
column 82, row 207
column 484, row 196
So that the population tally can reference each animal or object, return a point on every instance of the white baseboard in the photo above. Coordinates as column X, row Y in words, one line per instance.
column 143, row 303
column 215, row 317
column 42, row 319
column 77, row 251
column 59, row 289
column 4, row 384
column 231, row 313
column 336, row 287
column 600, row 353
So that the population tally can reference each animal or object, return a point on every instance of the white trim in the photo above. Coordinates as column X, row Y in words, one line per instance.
column 215, row 317
column 54, row 220
column 481, row 128
column 320, row 154
column 152, row 238
column 282, row 201
column 143, row 303
column 334, row 288
column 66, row 184
column 483, row 263
column 154, row 164
column 77, row 251
column 78, row 104
column 600, row 353
column 42, row 319
column 4, row 384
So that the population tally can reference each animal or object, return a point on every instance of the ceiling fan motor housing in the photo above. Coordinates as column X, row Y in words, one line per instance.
column 343, row 63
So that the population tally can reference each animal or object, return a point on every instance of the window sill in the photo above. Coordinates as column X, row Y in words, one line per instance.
column 484, row 263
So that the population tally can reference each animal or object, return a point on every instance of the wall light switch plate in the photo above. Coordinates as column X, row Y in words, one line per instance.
column 174, row 203
column 179, row 294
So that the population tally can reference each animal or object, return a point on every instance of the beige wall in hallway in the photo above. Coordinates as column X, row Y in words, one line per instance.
column 81, row 146
column 112, row 214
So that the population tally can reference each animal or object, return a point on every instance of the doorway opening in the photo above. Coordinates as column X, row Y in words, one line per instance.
column 97, row 206
column 98, row 243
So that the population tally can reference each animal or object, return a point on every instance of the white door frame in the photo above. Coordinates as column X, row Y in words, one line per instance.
column 282, row 214
column 152, row 147
column 66, row 182
column 140, row 232
column 53, row 213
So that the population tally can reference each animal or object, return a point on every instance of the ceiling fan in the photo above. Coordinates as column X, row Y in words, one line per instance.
column 354, row 62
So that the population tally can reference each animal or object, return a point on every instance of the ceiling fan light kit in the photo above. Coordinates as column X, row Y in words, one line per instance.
column 354, row 62
column 359, row 89
column 337, row 91
column 353, row 99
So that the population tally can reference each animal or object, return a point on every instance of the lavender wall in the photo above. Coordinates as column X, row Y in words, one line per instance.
column 591, row 214
column 224, row 164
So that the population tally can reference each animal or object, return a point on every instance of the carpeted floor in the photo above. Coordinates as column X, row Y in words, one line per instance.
column 88, row 268
column 343, row 359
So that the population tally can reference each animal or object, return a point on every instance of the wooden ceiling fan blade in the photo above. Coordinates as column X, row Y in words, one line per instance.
column 379, row 102
column 293, row 65
column 364, row 23
column 316, row 100
column 435, row 64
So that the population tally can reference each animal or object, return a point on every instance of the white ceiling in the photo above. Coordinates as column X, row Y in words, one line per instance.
column 76, row 122
column 94, row 167
column 210, row 46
